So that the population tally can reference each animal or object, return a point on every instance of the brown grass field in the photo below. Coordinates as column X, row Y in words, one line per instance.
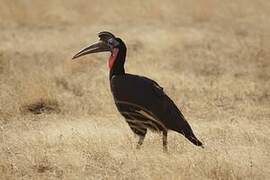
column 57, row 116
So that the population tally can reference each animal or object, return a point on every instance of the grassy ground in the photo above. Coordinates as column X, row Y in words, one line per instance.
column 57, row 117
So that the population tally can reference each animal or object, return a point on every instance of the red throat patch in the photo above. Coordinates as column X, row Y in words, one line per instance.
column 113, row 57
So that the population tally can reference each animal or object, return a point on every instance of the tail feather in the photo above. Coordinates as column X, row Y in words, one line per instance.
column 181, row 125
column 194, row 140
column 186, row 130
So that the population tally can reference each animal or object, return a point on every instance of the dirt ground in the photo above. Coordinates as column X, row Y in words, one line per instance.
column 57, row 116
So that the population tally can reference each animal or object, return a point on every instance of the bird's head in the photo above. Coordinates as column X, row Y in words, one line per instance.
column 107, row 42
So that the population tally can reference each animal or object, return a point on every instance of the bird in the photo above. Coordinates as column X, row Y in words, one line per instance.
column 140, row 100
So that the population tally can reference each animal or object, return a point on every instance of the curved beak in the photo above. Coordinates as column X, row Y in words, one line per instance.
column 94, row 48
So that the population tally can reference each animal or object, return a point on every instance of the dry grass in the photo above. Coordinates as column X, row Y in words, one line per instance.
column 57, row 117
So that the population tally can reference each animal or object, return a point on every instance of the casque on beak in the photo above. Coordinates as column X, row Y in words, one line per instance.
column 94, row 48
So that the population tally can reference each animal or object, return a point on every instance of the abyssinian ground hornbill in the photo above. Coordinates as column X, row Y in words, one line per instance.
column 140, row 100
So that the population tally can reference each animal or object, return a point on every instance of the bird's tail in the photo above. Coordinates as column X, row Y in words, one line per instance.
column 181, row 125
column 192, row 138
column 185, row 129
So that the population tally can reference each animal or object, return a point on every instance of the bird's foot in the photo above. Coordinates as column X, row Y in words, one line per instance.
column 165, row 149
column 138, row 146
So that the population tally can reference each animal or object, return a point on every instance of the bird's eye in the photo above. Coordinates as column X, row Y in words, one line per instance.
column 113, row 42
column 110, row 41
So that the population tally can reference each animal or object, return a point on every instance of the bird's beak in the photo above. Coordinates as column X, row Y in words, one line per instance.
column 94, row 48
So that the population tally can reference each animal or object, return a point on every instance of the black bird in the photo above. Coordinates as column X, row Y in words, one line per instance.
column 140, row 100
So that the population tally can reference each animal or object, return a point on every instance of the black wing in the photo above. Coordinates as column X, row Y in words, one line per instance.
column 142, row 100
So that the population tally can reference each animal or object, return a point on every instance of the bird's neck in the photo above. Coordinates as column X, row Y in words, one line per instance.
column 116, row 62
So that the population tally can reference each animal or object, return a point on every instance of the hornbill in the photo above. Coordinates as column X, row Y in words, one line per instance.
column 141, row 101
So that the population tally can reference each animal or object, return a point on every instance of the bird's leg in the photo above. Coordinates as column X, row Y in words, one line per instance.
column 164, row 141
column 140, row 142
